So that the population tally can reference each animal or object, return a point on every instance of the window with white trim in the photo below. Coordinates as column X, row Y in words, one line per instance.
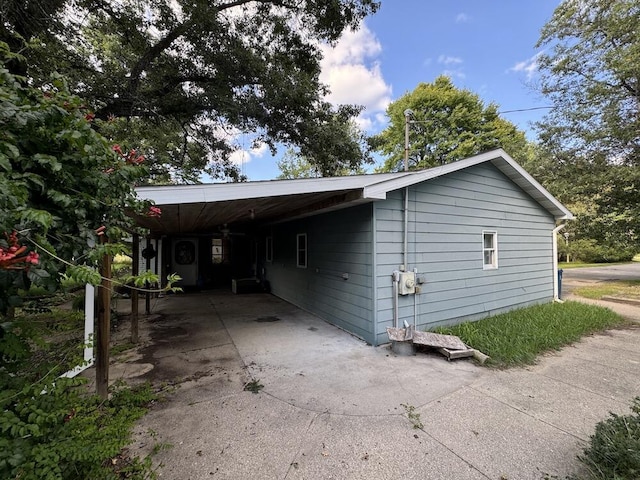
column 489, row 249
column 301, row 247
column 269, row 247
column 217, row 250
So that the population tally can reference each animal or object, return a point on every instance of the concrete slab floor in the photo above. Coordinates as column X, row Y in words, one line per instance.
column 332, row 407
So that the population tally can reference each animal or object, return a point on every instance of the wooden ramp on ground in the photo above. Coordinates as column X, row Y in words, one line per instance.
column 448, row 345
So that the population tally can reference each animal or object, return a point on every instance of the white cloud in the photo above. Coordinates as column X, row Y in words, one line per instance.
column 449, row 60
column 528, row 66
column 245, row 155
column 352, row 71
column 359, row 84
column 462, row 18
column 453, row 66
column 454, row 74
column 240, row 157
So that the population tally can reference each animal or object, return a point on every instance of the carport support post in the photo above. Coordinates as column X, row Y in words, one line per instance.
column 135, row 271
column 104, row 325
column 147, row 295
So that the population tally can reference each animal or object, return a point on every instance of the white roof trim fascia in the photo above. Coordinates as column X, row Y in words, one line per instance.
column 381, row 188
column 566, row 214
column 373, row 187
column 219, row 192
column 514, row 171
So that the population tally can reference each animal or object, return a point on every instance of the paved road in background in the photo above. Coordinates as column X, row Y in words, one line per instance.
column 626, row 271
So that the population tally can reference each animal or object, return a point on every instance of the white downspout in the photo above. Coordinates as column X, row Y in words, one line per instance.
column 554, row 240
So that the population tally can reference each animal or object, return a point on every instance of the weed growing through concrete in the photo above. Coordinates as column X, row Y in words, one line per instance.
column 159, row 447
column 254, row 386
column 413, row 416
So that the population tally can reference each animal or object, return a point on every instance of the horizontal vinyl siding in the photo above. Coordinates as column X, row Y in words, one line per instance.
column 337, row 243
column 447, row 216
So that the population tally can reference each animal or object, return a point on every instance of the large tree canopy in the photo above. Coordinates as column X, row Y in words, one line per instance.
column 447, row 124
column 591, row 74
column 187, row 76
column 590, row 71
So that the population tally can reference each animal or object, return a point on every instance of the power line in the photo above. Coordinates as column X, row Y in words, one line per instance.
column 499, row 113
column 524, row 109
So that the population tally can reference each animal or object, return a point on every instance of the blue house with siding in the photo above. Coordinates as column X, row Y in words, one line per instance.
column 426, row 248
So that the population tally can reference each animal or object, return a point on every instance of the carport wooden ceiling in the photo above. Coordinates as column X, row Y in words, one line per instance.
column 244, row 214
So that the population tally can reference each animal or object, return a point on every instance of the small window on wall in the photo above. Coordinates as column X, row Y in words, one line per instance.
column 302, row 250
column 217, row 250
column 490, row 250
column 269, row 253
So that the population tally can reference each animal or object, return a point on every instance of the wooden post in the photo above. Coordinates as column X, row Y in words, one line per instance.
column 104, row 326
column 135, row 271
column 147, row 297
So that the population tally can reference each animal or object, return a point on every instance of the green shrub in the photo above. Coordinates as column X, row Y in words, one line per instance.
column 62, row 433
column 50, row 427
column 589, row 251
column 614, row 448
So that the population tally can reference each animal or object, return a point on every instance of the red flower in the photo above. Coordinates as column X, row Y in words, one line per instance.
column 132, row 158
column 89, row 116
column 33, row 258
column 117, row 149
column 154, row 212
column 10, row 258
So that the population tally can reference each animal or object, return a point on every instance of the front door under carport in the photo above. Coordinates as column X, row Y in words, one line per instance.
column 184, row 260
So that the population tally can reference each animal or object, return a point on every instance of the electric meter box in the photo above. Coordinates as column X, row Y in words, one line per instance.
column 407, row 284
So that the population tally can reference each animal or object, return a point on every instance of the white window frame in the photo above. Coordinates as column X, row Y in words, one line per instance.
column 494, row 249
column 269, row 249
column 218, row 258
column 301, row 250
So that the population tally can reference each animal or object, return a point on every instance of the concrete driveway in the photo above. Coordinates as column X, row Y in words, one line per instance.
column 332, row 407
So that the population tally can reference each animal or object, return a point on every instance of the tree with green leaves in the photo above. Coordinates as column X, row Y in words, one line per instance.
column 336, row 148
column 186, row 76
column 61, row 183
column 293, row 165
column 590, row 72
column 447, row 124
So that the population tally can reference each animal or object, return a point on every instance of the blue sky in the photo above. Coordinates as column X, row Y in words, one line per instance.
column 486, row 46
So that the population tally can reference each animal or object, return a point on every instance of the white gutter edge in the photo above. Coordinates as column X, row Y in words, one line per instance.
column 554, row 241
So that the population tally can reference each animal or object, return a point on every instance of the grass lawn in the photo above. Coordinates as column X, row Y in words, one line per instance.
column 565, row 265
column 517, row 338
column 623, row 288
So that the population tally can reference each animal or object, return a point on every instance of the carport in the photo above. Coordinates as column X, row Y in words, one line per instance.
column 367, row 252
column 208, row 233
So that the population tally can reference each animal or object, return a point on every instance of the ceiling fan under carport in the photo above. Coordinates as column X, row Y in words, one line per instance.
column 226, row 231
